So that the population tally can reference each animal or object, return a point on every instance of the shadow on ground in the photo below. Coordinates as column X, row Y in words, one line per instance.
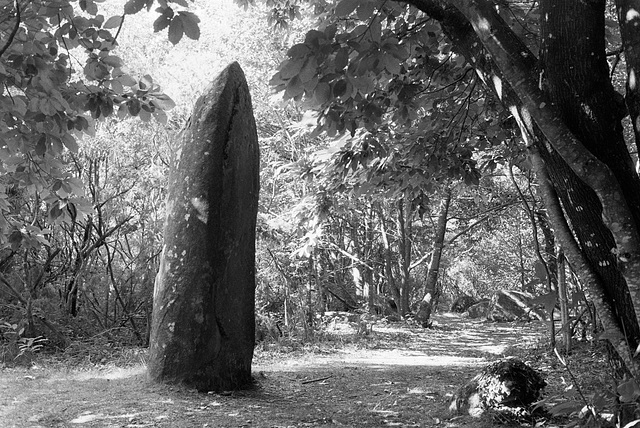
column 400, row 377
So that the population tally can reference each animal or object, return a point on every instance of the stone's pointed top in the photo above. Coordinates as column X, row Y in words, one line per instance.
column 231, row 78
column 234, row 64
column 232, row 69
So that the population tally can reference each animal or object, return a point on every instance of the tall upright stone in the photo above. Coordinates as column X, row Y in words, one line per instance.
column 202, row 331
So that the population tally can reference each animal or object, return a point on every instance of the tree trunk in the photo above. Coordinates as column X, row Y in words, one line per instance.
column 388, row 265
column 564, row 304
column 576, row 139
column 431, row 286
column 628, row 20
column 405, row 215
column 576, row 80
column 203, row 324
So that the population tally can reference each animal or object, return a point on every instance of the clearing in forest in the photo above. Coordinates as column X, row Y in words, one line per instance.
column 395, row 376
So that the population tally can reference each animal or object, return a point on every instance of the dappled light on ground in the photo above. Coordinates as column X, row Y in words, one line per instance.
column 395, row 376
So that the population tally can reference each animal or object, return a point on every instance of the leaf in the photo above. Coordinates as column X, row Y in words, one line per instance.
column 339, row 88
column 134, row 107
column 323, row 92
column 134, row 6
column 89, row 6
column 309, row 70
column 76, row 185
column 145, row 83
column 113, row 22
column 294, row 88
column 391, row 64
column 365, row 10
column 176, row 30
column 160, row 116
column 41, row 145
column 298, row 51
column 70, row 143
column 106, row 107
column 55, row 212
column 164, row 102
column 116, row 86
column 291, row 68
column 541, row 271
column 144, row 115
column 345, row 7
column 190, row 23
column 122, row 111
column 112, row 60
column 163, row 20
column 126, row 80
column 15, row 238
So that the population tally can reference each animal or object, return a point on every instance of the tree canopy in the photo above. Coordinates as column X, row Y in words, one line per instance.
column 58, row 76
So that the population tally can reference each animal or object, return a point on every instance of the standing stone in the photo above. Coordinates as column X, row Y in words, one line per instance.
column 202, row 331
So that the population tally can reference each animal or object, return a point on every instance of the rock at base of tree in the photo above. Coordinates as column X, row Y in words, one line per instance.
column 462, row 303
column 203, row 325
column 480, row 309
column 505, row 384
column 510, row 305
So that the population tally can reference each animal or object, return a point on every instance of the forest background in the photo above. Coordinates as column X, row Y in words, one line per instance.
column 342, row 225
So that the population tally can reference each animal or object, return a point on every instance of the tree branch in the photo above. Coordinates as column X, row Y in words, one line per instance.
column 16, row 5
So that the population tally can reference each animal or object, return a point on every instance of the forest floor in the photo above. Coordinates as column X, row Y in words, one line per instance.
column 395, row 375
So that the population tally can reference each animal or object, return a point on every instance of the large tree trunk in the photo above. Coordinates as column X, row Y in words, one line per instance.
column 203, row 322
column 574, row 136
column 576, row 80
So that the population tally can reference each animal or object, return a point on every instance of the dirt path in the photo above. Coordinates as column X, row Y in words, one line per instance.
column 394, row 377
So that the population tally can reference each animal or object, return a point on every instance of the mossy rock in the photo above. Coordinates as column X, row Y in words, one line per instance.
column 508, row 383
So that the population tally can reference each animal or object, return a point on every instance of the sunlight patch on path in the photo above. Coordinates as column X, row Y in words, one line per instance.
column 110, row 373
column 90, row 417
column 373, row 360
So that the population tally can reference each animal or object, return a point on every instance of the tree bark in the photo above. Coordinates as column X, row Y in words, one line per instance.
column 593, row 288
column 564, row 303
column 431, row 286
column 203, row 322
column 405, row 215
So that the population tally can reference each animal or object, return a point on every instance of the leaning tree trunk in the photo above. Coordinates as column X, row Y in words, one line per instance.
column 605, row 213
column 203, row 323
column 429, row 300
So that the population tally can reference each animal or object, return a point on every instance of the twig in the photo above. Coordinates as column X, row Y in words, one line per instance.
column 320, row 379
